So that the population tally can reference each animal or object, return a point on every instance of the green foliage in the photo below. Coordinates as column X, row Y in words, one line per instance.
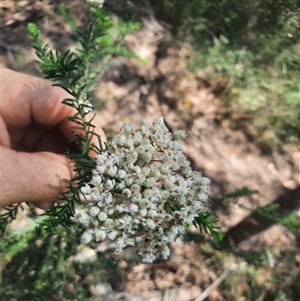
column 272, row 212
column 78, row 73
column 208, row 224
column 255, row 47
column 10, row 213
column 244, row 191
column 63, row 70
column 236, row 20
column 38, row 265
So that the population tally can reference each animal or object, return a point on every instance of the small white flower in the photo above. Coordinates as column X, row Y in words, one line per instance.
column 102, row 216
column 146, row 157
column 165, row 252
column 129, row 242
column 150, row 224
column 109, row 223
column 148, row 258
column 121, row 140
column 121, row 208
column 148, row 193
column 95, row 195
column 112, row 170
column 110, row 211
column 150, row 182
column 127, row 128
column 165, row 194
column 101, row 159
column 176, row 145
column 165, row 168
column 121, row 174
column 205, row 181
column 128, row 181
column 144, row 203
column 205, row 189
column 112, row 235
column 121, row 186
column 197, row 205
column 136, row 197
column 171, row 235
column 135, row 188
column 94, row 211
column 127, row 219
column 136, row 221
column 144, row 126
column 120, row 244
column 146, row 171
column 156, row 174
column 99, row 234
column 132, row 157
column 83, row 218
column 100, row 204
column 129, row 143
column 137, row 137
column 126, row 192
column 96, row 180
column 95, row 223
column 179, row 135
column 101, row 169
column 202, row 196
column 97, row 3
column 109, row 184
column 86, row 238
column 108, row 198
column 134, row 208
column 152, row 213
column 86, row 189
column 169, row 185
column 140, row 150
column 140, row 180
column 143, row 212
column 136, row 170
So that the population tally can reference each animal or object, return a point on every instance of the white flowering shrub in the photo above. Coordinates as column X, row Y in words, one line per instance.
column 140, row 185
column 142, row 182
column 96, row 3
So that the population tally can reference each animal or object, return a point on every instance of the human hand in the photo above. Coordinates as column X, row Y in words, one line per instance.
column 34, row 134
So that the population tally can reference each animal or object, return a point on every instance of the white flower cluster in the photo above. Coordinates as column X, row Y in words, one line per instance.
column 142, row 183
column 96, row 3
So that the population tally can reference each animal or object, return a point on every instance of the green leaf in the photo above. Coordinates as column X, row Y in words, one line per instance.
column 208, row 224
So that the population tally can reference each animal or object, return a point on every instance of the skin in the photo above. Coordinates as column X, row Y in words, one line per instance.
column 33, row 136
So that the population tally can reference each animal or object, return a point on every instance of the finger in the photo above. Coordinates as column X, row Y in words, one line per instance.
column 32, row 177
column 43, row 205
column 47, row 204
column 36, row 99
column 32, row 99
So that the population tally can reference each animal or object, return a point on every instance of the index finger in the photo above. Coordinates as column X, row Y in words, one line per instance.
column 27, row 98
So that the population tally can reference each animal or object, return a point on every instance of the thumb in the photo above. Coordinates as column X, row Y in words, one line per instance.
column 32, row 177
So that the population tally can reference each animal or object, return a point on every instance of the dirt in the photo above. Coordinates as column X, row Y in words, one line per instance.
column 219, row 143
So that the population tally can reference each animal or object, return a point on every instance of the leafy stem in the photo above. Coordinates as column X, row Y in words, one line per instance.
column 208, row 224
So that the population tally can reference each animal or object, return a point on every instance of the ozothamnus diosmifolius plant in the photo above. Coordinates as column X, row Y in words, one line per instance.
column 139, row 188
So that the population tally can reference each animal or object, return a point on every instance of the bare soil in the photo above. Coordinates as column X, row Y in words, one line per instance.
column 220, row 143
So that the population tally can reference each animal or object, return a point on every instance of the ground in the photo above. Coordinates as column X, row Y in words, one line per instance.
column 220, row 144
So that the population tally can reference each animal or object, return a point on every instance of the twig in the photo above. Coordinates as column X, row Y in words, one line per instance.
column 206, row 293
column 232, row 78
